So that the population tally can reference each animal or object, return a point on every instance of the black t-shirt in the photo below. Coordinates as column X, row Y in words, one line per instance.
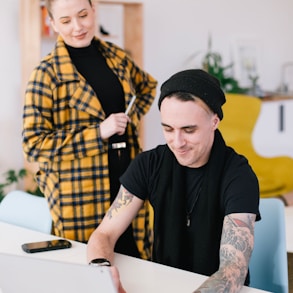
column 239, row 188
column 238, row 192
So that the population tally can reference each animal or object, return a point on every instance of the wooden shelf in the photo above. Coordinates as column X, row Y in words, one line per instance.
column 132, row 27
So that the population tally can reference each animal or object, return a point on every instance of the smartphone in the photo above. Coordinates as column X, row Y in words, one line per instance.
column 46, row 245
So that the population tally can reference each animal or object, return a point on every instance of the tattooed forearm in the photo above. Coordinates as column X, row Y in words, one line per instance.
column 237, row 236
column 235, row 251
column 123, row 199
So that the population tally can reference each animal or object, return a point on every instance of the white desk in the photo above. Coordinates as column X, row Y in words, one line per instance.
column 289, row 228
column 136, row 275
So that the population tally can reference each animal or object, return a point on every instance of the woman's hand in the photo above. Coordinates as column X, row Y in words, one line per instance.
column 114, row 124
column 116, row 279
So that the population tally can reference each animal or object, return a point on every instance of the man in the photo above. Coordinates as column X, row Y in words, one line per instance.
column 205, row 196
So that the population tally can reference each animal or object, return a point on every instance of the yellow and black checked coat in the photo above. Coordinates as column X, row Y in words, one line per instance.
column 61, row 132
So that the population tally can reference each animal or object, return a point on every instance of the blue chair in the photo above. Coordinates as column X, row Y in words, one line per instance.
column 26, row 210
column 268, row 264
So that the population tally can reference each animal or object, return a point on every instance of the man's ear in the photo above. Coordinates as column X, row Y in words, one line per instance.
column 216, row 121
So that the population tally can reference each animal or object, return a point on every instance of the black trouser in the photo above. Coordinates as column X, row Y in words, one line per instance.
column 119, row 160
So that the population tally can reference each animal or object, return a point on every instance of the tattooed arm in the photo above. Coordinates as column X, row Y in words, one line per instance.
column 119, row 216
column 235, row 251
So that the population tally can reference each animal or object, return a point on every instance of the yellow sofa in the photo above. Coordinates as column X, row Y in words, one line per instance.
column 241, row 112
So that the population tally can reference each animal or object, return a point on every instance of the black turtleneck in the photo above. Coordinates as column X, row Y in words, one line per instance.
column 92, row 65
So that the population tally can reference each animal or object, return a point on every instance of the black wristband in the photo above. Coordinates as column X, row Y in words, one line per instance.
column 100, row 262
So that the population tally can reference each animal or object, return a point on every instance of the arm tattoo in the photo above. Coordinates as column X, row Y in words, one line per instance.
column 237, row 237
column 235, row 251
column 123, row 199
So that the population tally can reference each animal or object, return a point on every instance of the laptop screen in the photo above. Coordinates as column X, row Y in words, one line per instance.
column 23, row 274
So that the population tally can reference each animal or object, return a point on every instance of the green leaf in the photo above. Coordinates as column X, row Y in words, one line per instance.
column 22, row 173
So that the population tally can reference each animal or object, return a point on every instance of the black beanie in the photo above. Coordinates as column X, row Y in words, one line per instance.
column 199, row 83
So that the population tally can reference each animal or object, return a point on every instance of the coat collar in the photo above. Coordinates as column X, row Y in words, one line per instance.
column 83, row 96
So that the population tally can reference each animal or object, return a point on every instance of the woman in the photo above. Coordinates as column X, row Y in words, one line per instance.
column 75, row 126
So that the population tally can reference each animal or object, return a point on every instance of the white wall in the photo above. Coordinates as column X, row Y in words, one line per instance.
column 10, row 97
column 173, row 31
column 176, row 29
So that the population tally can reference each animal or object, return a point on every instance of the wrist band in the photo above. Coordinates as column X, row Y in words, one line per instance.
column 100, row 262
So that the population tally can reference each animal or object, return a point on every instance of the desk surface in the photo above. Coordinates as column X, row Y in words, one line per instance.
column 136, row 275
column 289, row 228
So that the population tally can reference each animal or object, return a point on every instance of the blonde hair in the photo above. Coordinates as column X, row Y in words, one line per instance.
column 48, row 4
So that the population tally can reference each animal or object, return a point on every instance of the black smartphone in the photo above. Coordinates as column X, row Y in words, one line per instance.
column 46, row 245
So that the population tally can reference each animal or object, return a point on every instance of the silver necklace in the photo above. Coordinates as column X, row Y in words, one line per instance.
column 189, row 212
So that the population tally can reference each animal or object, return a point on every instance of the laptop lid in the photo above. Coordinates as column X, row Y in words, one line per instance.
column 22, row 274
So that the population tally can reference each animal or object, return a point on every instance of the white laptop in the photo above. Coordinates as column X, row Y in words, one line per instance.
column 24, row 274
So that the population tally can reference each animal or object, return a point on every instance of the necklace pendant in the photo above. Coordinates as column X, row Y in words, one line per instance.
column 187, row 220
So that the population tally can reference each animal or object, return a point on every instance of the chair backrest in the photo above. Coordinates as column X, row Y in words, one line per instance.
column 268, row 265
column 26, row 210
column 241, row 113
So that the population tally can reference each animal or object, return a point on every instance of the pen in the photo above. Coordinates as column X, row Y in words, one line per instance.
column 130, row 105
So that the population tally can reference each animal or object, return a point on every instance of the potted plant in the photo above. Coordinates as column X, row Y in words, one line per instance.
column 12, row 179
column 212, row 63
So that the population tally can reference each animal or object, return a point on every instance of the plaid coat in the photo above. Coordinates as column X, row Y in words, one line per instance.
column 61, row 120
